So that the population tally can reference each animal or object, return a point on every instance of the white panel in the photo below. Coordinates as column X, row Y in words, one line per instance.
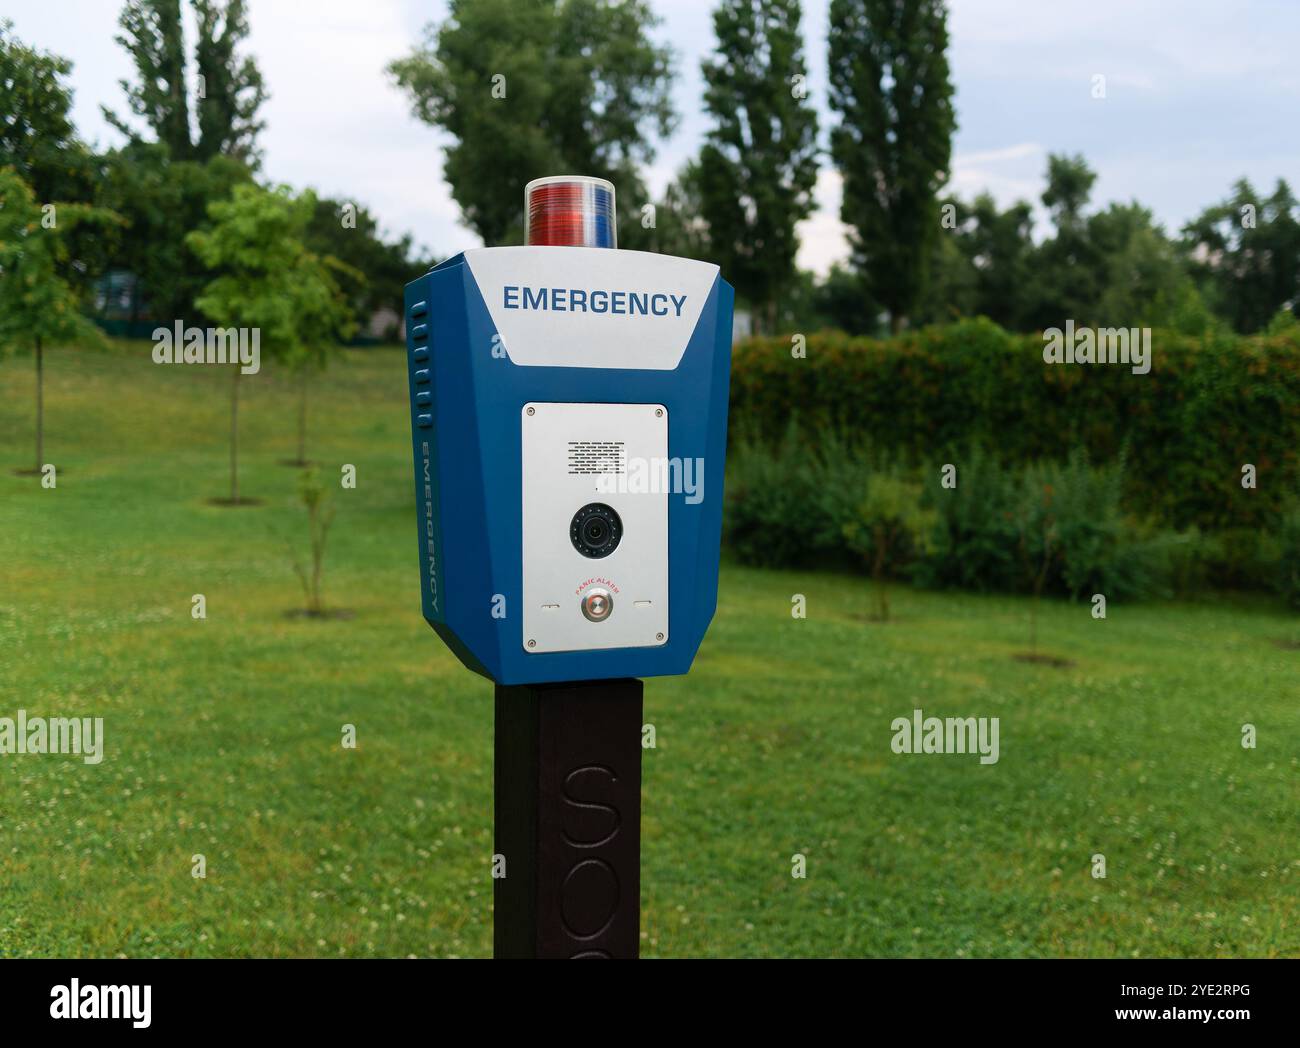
column 564, row 445
column 529, row 292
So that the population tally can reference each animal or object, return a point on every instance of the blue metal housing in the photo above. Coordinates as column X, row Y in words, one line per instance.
column 466, row 404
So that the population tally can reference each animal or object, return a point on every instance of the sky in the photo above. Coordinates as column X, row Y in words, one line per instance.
column 1198, row 93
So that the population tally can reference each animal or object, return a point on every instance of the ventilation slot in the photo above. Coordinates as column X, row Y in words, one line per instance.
column 597, row 456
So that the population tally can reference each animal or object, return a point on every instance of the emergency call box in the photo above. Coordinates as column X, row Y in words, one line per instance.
column 569, row 425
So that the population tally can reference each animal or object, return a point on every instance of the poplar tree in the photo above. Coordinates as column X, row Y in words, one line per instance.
column 214, row 115
column 758, row 165
column 890, row 85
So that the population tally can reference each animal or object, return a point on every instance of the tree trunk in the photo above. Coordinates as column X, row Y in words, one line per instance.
column 1033, row 615
column 317, row 556
column 40, row 406
column 302, row 419
column 234, row 440
column 895, row 322
column 878, row 575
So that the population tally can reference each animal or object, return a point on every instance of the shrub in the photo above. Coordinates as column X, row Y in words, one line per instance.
column 1047, row 528
column 1209, row 405
column 974, row 542
column 1099, row 548
column 1230, row 559
column 1288, row 574
column 786, row 505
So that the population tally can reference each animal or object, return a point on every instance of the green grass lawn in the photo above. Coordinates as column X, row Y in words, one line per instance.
column 223, row 736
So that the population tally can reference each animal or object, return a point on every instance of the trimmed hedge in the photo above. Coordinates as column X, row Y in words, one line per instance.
column 1207, row 407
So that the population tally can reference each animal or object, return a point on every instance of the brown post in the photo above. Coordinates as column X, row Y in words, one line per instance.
column 568, row 820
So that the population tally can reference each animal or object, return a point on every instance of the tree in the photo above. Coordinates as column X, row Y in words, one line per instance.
column 999, row 245
column 1143, row 281
column 1114, row 267
column 233, row 90
column 38, row 306
column 839, row 297
column 1245, row 255
column 377, row 268
column 537, row 88
column 890, row 86
column 950, row 290
column 1069, row 185
column 38, row 140
column 758, row 165
column 227, row 93
column 1067, row 271
column 680, row 228
column 325, row 318
column 255, row 245
column 163, row 201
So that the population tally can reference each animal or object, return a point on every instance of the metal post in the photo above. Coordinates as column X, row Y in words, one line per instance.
column 568, row 819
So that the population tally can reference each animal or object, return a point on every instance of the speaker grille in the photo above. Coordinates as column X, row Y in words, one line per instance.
column 597, row 456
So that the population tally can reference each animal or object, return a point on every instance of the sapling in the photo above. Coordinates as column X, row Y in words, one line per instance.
column 890, row 523
column 320, row 515
column 39, row 308
column 255, row 247
column 1038, row 529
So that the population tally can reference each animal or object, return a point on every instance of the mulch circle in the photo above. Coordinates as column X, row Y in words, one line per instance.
column 1054, row 661
column 235, row 503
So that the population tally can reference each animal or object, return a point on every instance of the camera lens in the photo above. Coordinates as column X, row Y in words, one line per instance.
column 596, row 530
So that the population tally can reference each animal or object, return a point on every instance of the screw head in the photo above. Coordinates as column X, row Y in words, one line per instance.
column 659, row 636
column 659, row 412
column 532, row 643
column 532, row 411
